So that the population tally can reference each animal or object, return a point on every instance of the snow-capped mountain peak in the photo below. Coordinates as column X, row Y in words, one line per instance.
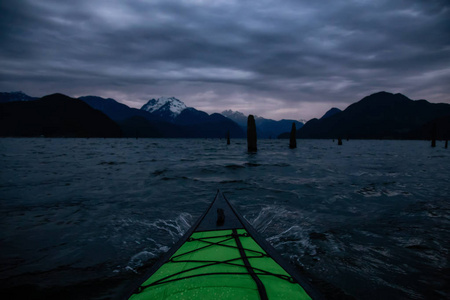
column 171, row 105
column 239, row 117
column 233, row 114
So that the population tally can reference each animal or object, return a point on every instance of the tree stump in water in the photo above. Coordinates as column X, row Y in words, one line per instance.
column 293, row 138
column 251, row 134
column 433, row 136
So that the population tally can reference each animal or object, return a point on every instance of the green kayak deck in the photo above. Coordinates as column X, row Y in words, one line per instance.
column 222, row 257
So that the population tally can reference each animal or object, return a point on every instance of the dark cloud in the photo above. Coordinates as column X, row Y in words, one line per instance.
column 274, row 58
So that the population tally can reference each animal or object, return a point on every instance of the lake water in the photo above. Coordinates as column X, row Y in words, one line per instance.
column 83, row 218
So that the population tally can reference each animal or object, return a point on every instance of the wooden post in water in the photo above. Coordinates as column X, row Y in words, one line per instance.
column 293, row 138
column 228, row 137
column 433, row 136
column 446, row 144
column 251, row 134
column 339, row 141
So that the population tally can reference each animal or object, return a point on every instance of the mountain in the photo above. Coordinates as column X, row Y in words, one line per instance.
column 193, row 122
column 268, row 128
column 164, row 117
column 134, row 122
column 380, row 116
column 199, row 124
column 190, row 123
column 138, row 126
column 265, row 128
column 115, row 110
column 442, row 129
column 191, row 116
column 237, row 117
column 330, row 113
column 55, row 115
column 15, row 96
column 165, row 108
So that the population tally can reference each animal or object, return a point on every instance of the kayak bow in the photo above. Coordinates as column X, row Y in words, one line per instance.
column 223, row 257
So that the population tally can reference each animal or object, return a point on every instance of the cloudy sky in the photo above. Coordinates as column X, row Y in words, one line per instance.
column 278, row 59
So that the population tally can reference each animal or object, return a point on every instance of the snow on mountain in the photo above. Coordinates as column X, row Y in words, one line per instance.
column 167, row 106
column 233, row 113
column 236, row 116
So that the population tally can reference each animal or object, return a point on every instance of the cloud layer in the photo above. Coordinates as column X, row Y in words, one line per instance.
column 279, row 59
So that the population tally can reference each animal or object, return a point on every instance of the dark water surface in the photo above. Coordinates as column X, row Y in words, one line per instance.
column 82, row 218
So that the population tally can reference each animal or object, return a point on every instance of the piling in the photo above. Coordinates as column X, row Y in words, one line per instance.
column 293, row 139
column 340, row 141
column 433, row 136
column 251, row 134
column 228, row 137
column 446, row 144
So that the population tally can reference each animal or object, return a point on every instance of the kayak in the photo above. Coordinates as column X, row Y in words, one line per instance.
column 222, row 257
